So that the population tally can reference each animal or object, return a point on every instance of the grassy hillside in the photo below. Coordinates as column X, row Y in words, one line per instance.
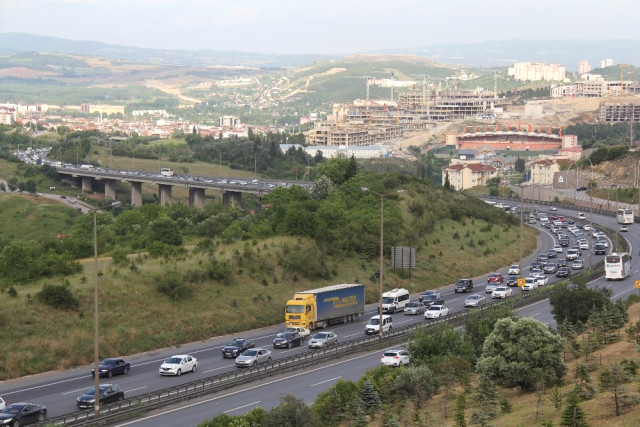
column 142, row 299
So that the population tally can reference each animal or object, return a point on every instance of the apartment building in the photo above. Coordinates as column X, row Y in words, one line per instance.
column 543, row 171
column 468, row 175
column 527, row 71
column 584, row 67
column 624, row 111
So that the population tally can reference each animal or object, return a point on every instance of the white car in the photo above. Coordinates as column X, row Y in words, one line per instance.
column 514, row 269
column 178, row 365
column 577, row 265
column 252, row 357
column 395, row 358
column 502, row 292
column 299, row 329
column 436, row 311
column 624, row 228
column 530, row 283
column 586, row 227
column 542, row 280
column 559, row 249
column 3, row 404
column 581, row 215
column 491, row 287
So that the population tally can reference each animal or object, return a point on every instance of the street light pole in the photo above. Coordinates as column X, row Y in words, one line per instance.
column 382, row 196
column 96, row 375
column 590, row 240
column 521, row 221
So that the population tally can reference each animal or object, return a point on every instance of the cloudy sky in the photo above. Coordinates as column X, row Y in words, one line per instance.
column 318, row 26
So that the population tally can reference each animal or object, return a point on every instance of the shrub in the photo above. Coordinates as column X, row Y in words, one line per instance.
column 58, row 296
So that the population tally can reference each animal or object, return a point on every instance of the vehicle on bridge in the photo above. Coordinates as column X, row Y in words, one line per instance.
column 166, row 172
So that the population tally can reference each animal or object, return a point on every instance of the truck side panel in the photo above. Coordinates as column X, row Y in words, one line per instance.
column 341, row 302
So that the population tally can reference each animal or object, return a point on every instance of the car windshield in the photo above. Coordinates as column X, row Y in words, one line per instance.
column 413, row 304
column 500, row 289
column 295, row 308
column 473, row 297
column 320, row 336
column 388, row 300
column 13, row 409
column 250, row 353
column 236, row 343
column 431, row 297
column 375, row 321
column 434, row 308
column 283, row 335
column 174, row 360
column 108, row 362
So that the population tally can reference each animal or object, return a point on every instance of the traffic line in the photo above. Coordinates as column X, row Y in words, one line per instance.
column 325, row 381
column 217, row 369
column 241, row 407
column 74, row 391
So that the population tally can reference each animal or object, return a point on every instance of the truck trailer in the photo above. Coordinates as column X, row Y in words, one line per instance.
column 319, row 308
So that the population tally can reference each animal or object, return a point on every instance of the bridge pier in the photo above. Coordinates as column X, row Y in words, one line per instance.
column 165, row 194
column 87, row 184
column 136, row 193
column 110, row 189
column 196, row 198
column 231, row 197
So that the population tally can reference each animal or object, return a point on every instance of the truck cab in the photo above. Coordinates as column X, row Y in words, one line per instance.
column 300, row 311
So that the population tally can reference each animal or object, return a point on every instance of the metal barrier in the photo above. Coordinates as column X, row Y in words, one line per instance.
column 134, row 406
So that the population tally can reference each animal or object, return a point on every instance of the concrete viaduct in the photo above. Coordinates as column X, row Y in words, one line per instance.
column 231, row 188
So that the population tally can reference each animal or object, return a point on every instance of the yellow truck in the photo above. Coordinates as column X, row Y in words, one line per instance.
column 319, row 308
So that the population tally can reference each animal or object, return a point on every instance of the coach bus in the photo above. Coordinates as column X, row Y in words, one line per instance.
column 624, row 216
column 617, row 266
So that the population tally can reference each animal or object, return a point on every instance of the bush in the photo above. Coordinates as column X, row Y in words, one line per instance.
column 58, row 296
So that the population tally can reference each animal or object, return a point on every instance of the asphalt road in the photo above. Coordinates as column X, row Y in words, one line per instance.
column 59, row 390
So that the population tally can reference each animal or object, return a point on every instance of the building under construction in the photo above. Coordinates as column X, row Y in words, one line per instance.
column 620, row 110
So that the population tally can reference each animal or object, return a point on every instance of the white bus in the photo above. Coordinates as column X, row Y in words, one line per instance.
column 617, row 266
column 624, row 216
column 166, row 172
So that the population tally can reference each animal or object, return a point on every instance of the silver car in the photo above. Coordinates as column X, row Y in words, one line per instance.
column 253, row 357
column 414, row 308
column 323, row 339
column 475, row 300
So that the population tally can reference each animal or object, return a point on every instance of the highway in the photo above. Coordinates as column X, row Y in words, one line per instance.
column 59, row 390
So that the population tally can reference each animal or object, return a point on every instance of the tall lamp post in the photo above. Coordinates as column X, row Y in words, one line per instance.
column 96, row 362
column 382, row 196
column 590, row 240
column 521, row 222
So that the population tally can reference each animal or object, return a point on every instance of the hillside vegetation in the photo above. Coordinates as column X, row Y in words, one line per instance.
column 178, row 275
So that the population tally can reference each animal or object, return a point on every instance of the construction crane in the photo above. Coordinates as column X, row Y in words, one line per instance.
column 622, row 66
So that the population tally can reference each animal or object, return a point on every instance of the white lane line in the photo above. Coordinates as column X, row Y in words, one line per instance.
column 325, row 381
column 534, row 315
column 75, row 391
column 241, row 407
column 624, row 292
column 217, row 369
column 136, row 389
column 250, row 388
column 43, row 385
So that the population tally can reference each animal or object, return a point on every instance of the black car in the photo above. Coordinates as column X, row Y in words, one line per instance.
column 287, row 340
column 236, row 347
column 109, row 393
column 562, row 272
column 564, row 242
column 432, row 299
column 110, row 367
column 512, row 280
column 599, row 249
column 425, row 293
column 551, row 253
column 464, row 285
column 535, row 265
column 561, row 262
column 581, row 189
column 21, row 414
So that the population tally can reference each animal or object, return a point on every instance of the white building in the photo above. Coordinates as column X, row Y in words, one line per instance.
column 526, row 71
column 606, row 63
column 333, row 151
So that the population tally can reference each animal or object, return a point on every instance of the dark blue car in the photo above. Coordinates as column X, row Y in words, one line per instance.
column 110, row 367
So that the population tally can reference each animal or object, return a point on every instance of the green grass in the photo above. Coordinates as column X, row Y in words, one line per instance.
column 29, row 218
column 135, row 317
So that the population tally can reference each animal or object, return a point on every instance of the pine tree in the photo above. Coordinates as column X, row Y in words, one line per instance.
column 583, row 388
column 370, row 398
column 461, row 405
column 573, row 415
column 486, row 398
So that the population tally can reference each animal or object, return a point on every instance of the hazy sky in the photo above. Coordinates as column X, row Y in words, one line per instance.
column 318, row 26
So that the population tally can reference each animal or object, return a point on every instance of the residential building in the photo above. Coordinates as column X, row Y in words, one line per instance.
column 584, row 67
column 8, row 115
column 606, row 63
column 542, row 171
column 468, row 175
column 527, row 71
column 625, row 110
column 229, row 121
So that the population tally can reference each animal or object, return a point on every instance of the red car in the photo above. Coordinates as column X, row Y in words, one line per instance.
column 495, row 278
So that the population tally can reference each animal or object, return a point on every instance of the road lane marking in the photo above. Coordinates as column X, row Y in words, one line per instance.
column 136, row 389
column 241, row 407
column 325, row 381
column 75, row 391
column 217, row 369
column 249, row 388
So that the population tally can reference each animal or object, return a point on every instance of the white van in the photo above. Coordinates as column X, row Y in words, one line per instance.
column 395, row 300
column 373, row 325
column 166, row 172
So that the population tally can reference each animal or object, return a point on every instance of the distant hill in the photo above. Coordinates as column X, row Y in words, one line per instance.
column 485, row 54
column 501, row 53
column 13, row 43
